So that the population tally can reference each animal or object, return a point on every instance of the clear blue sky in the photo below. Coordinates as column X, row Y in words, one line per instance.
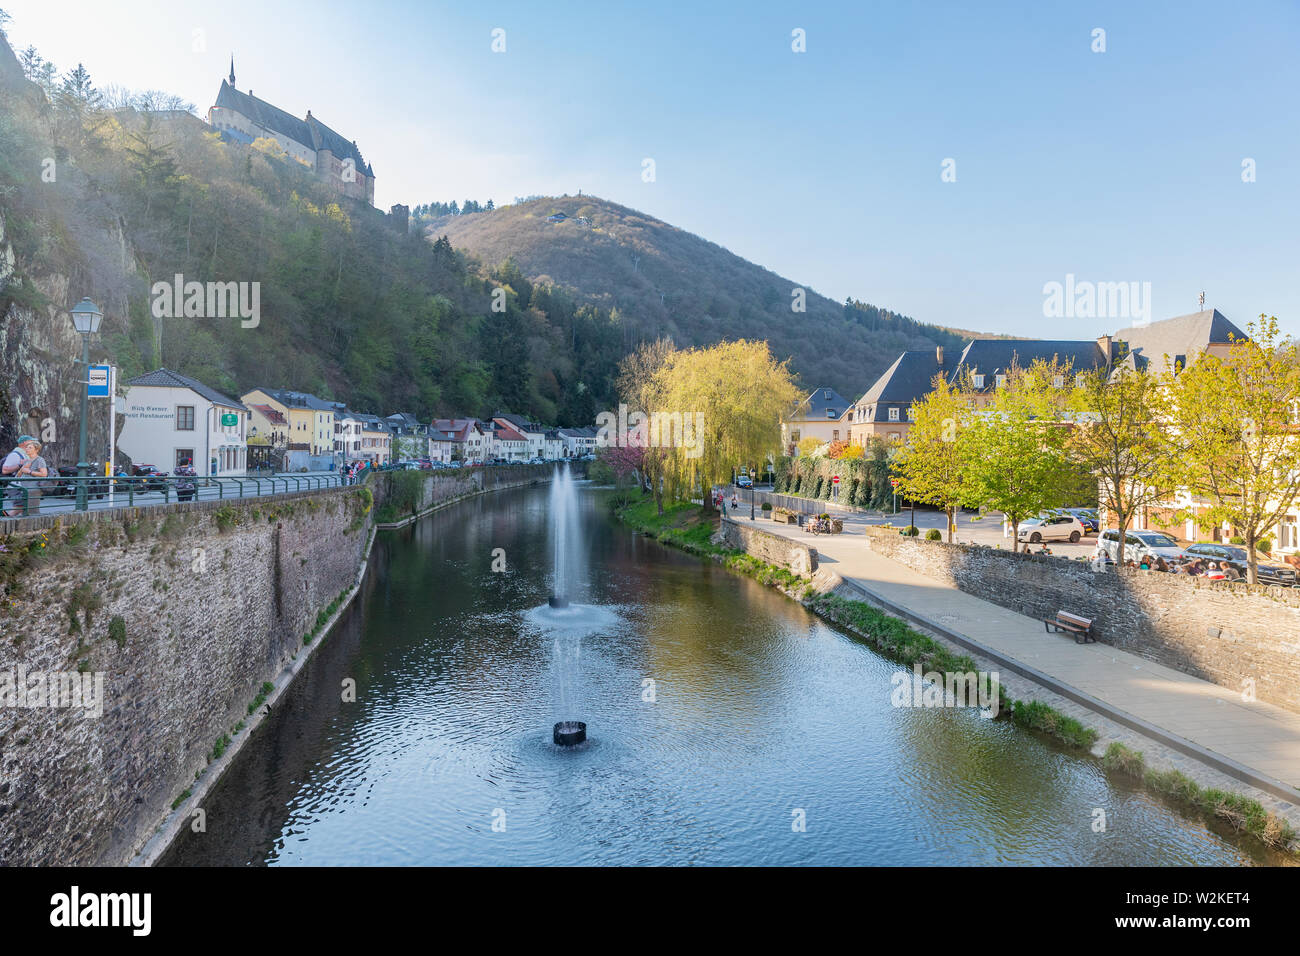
column 822, row 166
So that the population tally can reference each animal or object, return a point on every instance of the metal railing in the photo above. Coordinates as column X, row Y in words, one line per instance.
column 806, row 506
column 25, row 497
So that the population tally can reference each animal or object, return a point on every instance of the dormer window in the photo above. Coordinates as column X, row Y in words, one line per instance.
column 830, row 413
column 893, row 414
column 911, row 414
column 977, row 381
column 1001, row 380
column 1058, row 381
column 1078, row 380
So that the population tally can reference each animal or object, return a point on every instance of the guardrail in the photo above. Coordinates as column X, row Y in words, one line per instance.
column 807, row 506
column 25, row 497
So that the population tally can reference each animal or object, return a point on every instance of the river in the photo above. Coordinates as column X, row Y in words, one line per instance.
column 766, row 737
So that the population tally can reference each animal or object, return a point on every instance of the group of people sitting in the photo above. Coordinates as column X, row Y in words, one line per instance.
column 1194, row 567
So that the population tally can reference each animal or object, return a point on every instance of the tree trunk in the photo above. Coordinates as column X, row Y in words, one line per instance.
column 1252, row 560
column 951, row 522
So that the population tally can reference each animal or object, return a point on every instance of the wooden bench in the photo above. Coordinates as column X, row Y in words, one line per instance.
column 1080, row 627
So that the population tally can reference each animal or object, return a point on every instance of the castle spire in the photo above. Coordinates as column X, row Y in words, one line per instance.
column 232, row 70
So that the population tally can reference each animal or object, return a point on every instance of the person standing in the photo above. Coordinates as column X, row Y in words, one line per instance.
column 24, row 461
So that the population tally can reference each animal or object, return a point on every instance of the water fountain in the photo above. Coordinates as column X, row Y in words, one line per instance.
column 564, row 541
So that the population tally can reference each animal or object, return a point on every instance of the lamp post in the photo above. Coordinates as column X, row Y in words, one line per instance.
column 85, row 318
column 751, row 494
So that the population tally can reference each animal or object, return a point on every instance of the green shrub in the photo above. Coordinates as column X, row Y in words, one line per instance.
column 911, row 531
column 934, row 534
column 1236, row 539
column 1264, row 545
column 767, row 506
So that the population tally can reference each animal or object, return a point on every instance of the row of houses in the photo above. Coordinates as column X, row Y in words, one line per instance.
column 884, row 410
column 171, row 419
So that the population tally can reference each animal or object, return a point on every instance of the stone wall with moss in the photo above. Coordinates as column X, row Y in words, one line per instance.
column 185, row 611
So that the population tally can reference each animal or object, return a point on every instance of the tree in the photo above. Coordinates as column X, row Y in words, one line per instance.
column 1013, row 456
column 638, row 386
column 1121, row 436
column 930, row 466
column 734, row 395
column 1237, row 418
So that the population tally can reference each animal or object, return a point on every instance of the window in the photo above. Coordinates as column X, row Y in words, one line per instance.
column 184, row 455
column 830, row 413
column 1058, row 382
column 977, row 381
column 1078, row 380
column 794, row 435
column 185, row 418
column 893, row 414
column 911, row 413
column 835, row 434
column 1001, row 380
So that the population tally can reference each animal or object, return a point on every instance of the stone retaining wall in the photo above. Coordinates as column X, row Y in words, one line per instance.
column 1230, row 634
column 769, row 547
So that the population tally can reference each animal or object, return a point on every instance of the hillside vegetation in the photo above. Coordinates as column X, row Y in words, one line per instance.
column 663, row 281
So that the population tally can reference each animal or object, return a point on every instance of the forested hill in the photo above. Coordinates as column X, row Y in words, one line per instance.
column 105, row 202
column 661, row 280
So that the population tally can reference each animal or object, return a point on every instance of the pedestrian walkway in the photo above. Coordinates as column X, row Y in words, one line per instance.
column 1255, row 742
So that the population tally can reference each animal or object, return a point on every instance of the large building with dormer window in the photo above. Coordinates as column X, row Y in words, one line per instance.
column 243, row 118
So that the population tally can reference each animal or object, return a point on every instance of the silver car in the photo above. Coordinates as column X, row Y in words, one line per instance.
column 1141, row 544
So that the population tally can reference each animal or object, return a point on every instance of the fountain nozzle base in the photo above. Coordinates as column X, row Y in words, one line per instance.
column 569, row 733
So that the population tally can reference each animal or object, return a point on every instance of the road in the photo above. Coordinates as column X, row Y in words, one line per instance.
column 208, row 489
column 971, row 528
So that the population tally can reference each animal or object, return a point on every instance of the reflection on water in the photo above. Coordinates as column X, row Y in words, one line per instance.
column 716, row 710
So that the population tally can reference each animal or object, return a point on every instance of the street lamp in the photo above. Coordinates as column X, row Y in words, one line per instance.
column 85, row 319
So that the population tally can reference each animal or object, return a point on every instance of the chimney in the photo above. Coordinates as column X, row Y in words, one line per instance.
column 938, row 355
column 1107, row 347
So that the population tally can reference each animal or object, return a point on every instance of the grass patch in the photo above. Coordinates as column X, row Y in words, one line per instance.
column 1239, row 811
column 1048, row 720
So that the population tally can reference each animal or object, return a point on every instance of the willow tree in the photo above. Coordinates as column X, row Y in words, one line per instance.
column 1121, row 436
column 638, row 385
column 730, row 398
column 1238, row 417
column 930, row 467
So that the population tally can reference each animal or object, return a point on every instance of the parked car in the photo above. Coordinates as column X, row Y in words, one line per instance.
column 744, row 481
column 148, row 478
column 1268, row 573
column 1141, row 544
column 1052, row 527
column 1087, row 517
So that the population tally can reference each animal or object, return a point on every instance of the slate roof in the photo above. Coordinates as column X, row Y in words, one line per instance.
column 309, row 132
column 1181, row 338
column 823, row 404
column 166, row 378
column 989, row 357
column 902, row 383
column 293, row 399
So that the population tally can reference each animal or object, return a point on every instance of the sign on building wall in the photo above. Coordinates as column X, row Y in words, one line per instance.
column 229, row 419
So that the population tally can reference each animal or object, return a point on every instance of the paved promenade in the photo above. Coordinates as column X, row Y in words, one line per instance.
column 1256, row 742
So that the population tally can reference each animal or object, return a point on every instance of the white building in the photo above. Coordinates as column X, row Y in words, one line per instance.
column 534, row 435
column 470, row 440
column 171, row 418
column 577, row 442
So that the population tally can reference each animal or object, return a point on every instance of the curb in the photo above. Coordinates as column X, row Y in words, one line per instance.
column 1174, row 741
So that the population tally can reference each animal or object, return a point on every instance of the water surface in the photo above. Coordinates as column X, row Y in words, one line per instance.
column 761, row 715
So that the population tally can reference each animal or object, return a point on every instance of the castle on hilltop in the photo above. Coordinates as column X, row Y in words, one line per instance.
column 243, row 118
